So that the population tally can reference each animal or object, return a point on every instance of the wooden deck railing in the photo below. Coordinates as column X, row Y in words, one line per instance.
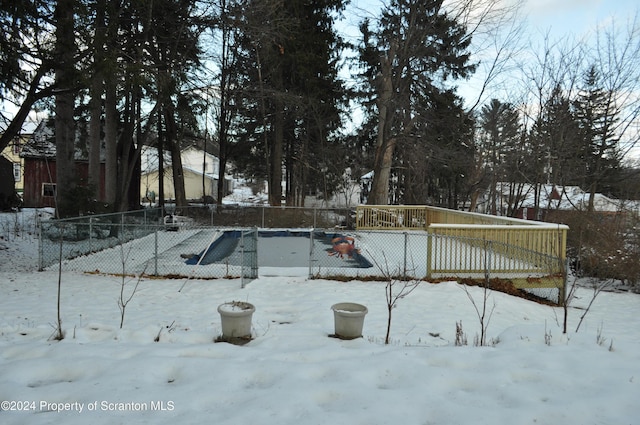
column 416, row 217
column 532, row 253
column 545, row 238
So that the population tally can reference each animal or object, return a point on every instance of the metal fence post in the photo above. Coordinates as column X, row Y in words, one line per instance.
column 242, row 261
column 311, row 253
column 429, row 253
column 406, row 237
column 254, row 262
column 155, row 254
column 90, row 234
column 40, row 247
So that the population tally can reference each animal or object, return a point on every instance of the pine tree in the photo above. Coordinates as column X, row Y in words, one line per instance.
column 289, row 108
column 500, row 140
column 415, row 46
column 596, row 117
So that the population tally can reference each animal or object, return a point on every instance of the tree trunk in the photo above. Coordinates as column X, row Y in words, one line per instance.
column 110, row 142
column 64, row 107
column 382, row 173
column 95, row 103
column 275, row 183
column 176, row 159
column 95, row 119
column 160, row 162
column 385, row 145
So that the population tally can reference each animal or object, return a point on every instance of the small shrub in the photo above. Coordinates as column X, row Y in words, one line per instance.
column 461, row 337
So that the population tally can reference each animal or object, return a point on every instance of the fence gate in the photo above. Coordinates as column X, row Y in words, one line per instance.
column 249, row 249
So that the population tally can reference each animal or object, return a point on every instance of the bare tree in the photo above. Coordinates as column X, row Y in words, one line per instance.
column 496, row 28
column 124, row 298
column 396, row 288
column 483, row 311
column 59, row 334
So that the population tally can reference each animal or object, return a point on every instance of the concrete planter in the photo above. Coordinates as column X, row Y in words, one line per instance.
column 236, row 320
column 348, row 319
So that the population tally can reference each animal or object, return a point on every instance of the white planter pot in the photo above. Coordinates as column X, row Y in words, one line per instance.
column 236, row 319
column 348, row 319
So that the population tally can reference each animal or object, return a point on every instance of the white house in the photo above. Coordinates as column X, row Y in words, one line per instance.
column 200, row 171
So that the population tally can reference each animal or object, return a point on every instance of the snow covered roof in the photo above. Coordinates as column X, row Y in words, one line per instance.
column 42, row 143
column 558, row 197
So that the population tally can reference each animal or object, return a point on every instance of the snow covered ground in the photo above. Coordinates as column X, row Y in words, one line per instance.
column 163, row 367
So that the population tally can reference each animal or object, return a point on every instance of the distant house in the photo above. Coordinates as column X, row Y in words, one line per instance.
column 200, row 171
column 39, row 156
column 12, row 153
column 525, row 203
column 8, row 195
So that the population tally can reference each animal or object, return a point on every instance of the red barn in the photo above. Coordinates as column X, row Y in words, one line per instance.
column 39, row 154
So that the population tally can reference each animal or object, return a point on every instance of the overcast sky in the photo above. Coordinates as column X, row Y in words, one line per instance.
column 557, row 20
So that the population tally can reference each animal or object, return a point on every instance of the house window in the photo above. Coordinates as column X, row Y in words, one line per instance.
column 48, row 189
column 16, row 147
column 17, row 174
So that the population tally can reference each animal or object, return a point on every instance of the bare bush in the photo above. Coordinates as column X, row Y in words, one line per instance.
column 461, row 337
column 397, row 287
column 603, row 246
column 483, row 311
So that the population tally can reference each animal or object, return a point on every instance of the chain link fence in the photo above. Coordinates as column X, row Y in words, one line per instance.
column 419, row 255
column 183, row 244
column 70, row 238
column 238, row 216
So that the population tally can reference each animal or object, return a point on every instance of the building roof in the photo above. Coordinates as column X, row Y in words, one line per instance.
column 561, row 197
column 42, row 143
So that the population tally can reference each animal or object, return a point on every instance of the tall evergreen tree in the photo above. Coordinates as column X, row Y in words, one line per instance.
column 414, row 47
column 500, row 138
column 434, row 161
column 142, row 52
column 596, row 116
column 556, row 139
column 290, row 105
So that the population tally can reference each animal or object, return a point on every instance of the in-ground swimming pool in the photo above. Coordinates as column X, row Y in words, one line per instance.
column 286, row 248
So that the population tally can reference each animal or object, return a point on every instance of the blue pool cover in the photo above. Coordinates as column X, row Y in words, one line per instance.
column 225, row 245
